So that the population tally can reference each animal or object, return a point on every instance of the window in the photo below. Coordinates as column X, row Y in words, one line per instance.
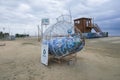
column 77, row 22
column 87, row 23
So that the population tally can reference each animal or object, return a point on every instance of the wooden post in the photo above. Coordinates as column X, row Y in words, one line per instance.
column 38, row 34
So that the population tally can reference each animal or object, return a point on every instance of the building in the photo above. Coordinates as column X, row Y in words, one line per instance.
column 85, row 25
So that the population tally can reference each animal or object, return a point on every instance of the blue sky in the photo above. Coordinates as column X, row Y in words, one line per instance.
column 23, row 16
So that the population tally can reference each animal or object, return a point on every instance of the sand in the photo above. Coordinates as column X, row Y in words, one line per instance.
column 99, row 60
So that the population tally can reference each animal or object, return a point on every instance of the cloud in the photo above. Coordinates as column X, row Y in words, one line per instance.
column 94, row 3
column 29, row 12
column 24, row 7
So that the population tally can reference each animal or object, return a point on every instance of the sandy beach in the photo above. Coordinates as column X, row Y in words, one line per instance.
column 99, row 60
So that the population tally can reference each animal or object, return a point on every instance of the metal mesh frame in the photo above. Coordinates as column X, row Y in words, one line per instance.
column 61, row 42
